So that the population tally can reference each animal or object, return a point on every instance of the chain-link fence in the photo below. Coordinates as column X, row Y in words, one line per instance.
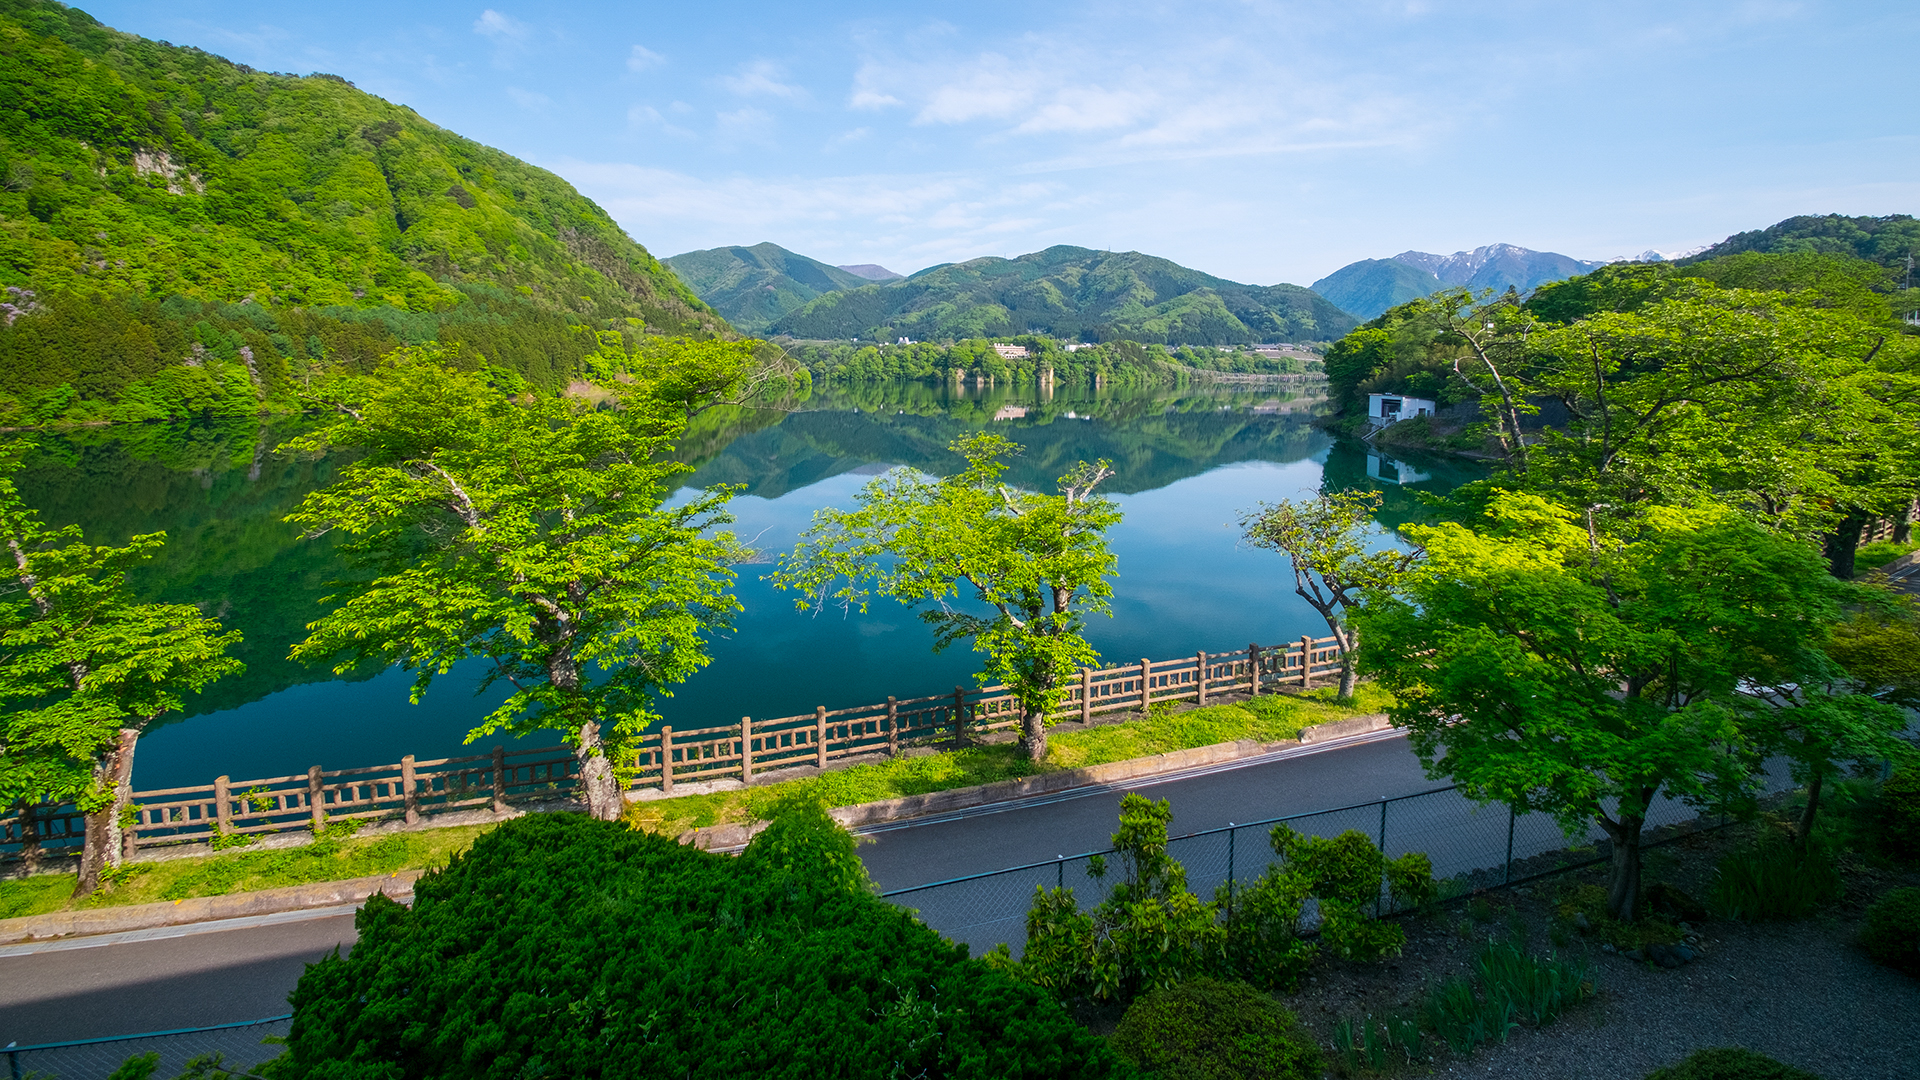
column 240, row 1047
column 1472, row 845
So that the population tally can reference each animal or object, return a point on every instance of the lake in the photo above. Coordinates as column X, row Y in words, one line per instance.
column 1188, row 461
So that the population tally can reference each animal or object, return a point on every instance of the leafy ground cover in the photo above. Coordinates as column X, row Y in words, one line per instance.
column 1269, row 718
column 1873, row 556
column 1265, row 719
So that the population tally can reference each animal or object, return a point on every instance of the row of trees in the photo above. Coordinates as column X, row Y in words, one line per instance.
column 481, row 521
column 1647, row 599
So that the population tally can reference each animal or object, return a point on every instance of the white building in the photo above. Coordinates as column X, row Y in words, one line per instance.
column 1011, row 352
column 1384, row 409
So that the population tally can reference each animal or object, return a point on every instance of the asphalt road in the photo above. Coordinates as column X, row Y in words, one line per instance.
column 224, row 976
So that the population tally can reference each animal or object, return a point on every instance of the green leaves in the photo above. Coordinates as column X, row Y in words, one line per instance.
column 79, row 659
column 1038, row 563
column 528, row 533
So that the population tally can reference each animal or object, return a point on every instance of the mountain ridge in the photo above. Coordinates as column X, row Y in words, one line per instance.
column 1070, row 292
column 1369, row 287
column 158, row 203
column 754, row 286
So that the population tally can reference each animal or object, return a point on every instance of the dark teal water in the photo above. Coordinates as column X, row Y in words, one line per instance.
column 1188, row 462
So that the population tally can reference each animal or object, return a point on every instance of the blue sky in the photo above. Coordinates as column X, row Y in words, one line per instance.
column 1262, row 142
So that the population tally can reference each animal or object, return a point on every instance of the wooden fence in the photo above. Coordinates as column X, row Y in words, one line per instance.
column 663, row 758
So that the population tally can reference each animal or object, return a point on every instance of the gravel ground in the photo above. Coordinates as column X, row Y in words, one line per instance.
column 1800, row 992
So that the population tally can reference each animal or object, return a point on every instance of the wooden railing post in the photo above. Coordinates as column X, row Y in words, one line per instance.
column 1200, row 676
column 666, row 759
column 820, row 736
column 746, row 749
column 1253, row 670
column 959, row 715
column 1306, row 661
column 1086, row 695
column 1146, row 689
column 407, row 790
column 893, row 726
column 499, row 779
column 316, row 801
column 223, row 799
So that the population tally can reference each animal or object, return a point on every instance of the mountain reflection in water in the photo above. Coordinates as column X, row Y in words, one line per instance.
column 1187, row 461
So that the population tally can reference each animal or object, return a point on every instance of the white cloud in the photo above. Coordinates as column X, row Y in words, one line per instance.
column 528, row 99
column 871, row 99
column 1090, row 108
column 747, row 125
column 499, row 27
column 641, row 58
column 761, row 79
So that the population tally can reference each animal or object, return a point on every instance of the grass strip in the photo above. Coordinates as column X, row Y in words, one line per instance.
column 335, row 857
column 339, row 855
column 1269, row 718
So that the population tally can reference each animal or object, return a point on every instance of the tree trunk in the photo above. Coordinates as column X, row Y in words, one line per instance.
column 598, row 786
column 1844, row 542
column 1804, row 837
column 1033, row 736
column 1903, row 525
column 106, row 838
column 1623, row 886
column 1349, row 643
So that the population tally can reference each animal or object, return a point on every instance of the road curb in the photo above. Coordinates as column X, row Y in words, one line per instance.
column 862, row 815
column 321, row 894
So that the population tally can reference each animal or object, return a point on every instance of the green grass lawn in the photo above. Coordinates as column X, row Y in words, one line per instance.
column 334, row 858
column 1264, row 719
column 1873, row 556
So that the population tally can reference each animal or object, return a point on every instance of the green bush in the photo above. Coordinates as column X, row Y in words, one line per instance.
column 1729, row 1063
column 1900, row 814
column 1892, row 933
column 1211, row 1029
column 563, row 946
column 1772, row 882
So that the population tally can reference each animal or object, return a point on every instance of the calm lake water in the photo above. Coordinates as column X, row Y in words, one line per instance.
column 1188, row 462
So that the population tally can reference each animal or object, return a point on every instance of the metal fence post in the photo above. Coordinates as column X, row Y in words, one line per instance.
column 1383, row 854
column 1060, row 878
column 1511, row 816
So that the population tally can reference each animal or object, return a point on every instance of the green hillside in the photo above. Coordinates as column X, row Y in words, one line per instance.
column 754, row 286
column 1071, row 292
column 1366, row 288
column 1888, row 240
column 182, row 234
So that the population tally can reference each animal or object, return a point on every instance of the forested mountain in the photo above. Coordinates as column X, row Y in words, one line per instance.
column 181, row 234
column 1071, row 292
column 1889, row 241
column 872, row 272
column 753, row 286
column 1366, row 288
column 1371, row 286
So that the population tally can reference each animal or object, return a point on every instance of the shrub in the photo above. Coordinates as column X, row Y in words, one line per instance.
column 1772, row 882
column 1900, row 814
column 1729, row 1063
column 1210, row 1029
column 564, row 946
column 1892, row 933
column 1539, row 988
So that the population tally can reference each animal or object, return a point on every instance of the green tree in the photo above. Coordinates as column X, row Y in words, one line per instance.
column 527, row 532
column 84, row 670
column 1539, row 664
column 1327, row 539
column 1039, row 563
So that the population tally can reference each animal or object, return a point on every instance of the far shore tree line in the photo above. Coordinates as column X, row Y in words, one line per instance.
column 1636, row 605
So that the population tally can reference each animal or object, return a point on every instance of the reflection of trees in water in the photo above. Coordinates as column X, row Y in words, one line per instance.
column 220, row 493
column 1153, row 436
column 1346, row 470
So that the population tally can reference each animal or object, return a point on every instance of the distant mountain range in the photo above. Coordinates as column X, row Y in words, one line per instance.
column 1069, row 292
column 1064, row 291
column 872, row 271
column 763, row 282
column 1889, row 241
column 1366, row 288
